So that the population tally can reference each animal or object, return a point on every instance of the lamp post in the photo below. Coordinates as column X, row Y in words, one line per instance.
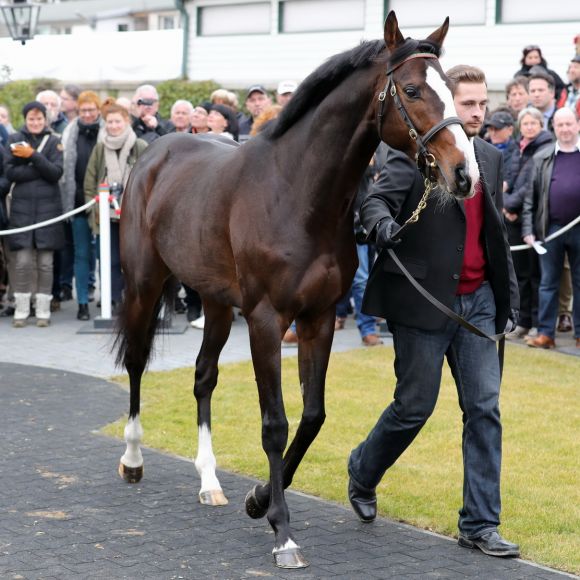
column 21, row 18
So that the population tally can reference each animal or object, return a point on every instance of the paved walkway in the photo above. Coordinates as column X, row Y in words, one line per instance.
column 65, row 513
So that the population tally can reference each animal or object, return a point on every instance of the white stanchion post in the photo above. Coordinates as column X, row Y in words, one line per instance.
column 105, row 250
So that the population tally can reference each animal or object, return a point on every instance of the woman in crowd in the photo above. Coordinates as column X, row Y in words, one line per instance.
column 222, row 120
column 533, row 139
column 199, row 119
column 532, row 57
column 79, row 139
column 110, row 162
column 34, row 164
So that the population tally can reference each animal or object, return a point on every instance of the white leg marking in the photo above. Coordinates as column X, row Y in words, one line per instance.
column 287, row 546
column 133, row 436
column 435, row 81
column 205, row 462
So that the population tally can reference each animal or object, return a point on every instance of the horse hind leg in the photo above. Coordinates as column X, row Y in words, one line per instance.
column 138, row 321
column 218, row 322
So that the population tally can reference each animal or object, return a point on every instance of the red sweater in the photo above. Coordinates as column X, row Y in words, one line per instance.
column 473, row 268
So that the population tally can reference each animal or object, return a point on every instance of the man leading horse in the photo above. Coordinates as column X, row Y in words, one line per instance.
column 458, row 251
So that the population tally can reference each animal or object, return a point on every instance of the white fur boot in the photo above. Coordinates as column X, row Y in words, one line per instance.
column 21, row 309
column 43, row 309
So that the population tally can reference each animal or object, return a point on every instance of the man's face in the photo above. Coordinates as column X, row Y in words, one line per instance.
column 52, row 107
column 67, row 102
column 518, row 98
column 283, row 99
column 257, row 102
column 566, row 128
column 470, row 101
column 574, row 72
column 502, row 135
column 180, row 115
column 541, row 94
column 146, row 110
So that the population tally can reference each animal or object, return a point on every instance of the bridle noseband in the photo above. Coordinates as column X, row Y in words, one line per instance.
column 430, row 163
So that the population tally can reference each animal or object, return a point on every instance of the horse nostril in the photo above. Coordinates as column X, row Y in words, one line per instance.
column 462, row 179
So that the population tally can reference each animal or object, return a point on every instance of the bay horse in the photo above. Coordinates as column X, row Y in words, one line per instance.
column 268, row 227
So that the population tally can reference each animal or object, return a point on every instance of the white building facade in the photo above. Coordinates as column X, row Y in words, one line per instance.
column 240, row 42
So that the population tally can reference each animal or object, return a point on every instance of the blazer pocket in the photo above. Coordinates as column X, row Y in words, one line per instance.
column 417, row 268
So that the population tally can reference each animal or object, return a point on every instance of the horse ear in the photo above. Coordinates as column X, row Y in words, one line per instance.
column 393, row 36
column 439, row 35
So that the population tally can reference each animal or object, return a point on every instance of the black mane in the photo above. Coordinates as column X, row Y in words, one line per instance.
column 316, row 86
column 330, row 74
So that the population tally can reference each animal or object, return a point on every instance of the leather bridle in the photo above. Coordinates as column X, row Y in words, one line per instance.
column 430, row 163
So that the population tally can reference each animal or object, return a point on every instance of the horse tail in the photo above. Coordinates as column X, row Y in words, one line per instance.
column 133, row 342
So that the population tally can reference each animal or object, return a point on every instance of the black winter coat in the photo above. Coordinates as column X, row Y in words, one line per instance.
column 522, row 173
column 432, row 249
column 36, row 194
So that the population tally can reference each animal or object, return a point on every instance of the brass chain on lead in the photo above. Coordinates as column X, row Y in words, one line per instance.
column 414, row 217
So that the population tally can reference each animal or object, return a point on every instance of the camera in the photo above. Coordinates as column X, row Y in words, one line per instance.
column 18, row 144
column 146, row 102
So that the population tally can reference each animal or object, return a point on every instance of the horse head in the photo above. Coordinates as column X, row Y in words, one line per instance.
column 422, row 120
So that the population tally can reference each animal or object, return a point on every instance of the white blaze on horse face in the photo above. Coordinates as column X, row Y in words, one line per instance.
column 133, row 435
column 463, row 142
column 205, row 462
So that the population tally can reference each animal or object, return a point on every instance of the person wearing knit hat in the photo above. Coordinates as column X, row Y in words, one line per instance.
column 34, row 166
column 222, row 120
column 79, row 140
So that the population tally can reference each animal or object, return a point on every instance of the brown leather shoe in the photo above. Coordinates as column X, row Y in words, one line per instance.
column 578, row 342
column 542, row 341
column 339, row 323
column 564, row 323
column 371, row 340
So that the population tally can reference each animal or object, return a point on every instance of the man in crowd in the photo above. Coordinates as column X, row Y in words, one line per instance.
column 543, row 96
column 467, row 266
column 147, row 123
column 181, row 112
column 54, row 116
column 500, row 129
column 257, row 100
column 571, row 94
column 285, row 91
column 69, row 96
column 554, row 204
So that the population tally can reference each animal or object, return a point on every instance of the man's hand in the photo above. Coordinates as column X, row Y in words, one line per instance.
column 24, row 151
column 512, row 320
column 529, row 239
column 150, row 121
column 385, row 231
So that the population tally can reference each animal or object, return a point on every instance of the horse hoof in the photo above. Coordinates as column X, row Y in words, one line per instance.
column 131, row 474
column 253, row 508
column 290, row 558
column 213, row 497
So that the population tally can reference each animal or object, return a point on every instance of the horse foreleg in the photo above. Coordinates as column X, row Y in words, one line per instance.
column 315, row 341
column 218, row 322
column 265, row 334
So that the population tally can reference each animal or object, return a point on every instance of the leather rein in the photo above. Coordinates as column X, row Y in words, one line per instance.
column 430, row 163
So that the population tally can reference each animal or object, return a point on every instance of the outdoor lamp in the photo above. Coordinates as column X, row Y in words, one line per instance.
column 21, row 17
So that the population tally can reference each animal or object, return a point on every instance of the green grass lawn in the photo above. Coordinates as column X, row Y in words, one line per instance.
column 540, row 414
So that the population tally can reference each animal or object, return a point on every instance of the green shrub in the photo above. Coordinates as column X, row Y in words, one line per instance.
column 172, row 90
column 15, row 94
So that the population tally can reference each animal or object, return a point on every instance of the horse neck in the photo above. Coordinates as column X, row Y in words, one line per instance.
column 335, row 143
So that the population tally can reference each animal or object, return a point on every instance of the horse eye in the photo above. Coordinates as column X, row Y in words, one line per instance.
column 411, row 92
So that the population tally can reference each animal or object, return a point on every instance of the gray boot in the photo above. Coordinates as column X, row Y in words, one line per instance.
column 21, row 309
column 43, row 309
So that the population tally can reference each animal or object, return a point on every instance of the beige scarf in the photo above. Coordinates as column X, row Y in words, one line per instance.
column 117, row 150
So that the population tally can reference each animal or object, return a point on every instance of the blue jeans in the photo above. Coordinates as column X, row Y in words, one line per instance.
column 82, row 239
column 551, row 266
column 419, row 356
column 366, row 324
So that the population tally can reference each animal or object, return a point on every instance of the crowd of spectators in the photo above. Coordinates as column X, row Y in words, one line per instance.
column 93, row 142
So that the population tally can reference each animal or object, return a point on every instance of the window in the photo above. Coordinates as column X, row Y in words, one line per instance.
column 166, row 23
column 250, row 18
column 122, row 27
column 319, row 15
column 524, row 11
column 141, row 23
column 417, row 13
